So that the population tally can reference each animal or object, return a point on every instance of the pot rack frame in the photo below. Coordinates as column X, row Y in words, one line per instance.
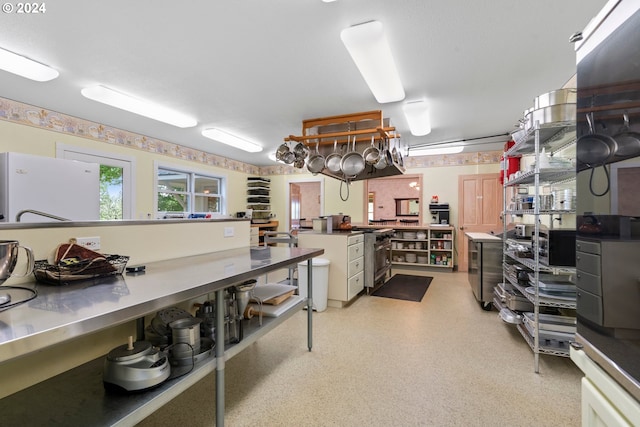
column 379, row 131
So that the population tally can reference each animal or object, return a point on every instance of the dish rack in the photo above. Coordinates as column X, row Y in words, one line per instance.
column 108, row 265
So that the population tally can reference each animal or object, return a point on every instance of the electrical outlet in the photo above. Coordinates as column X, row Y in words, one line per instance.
column 92, row 243
column 229, row 232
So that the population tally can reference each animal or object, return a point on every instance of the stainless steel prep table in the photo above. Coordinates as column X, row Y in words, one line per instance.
column 58, row 314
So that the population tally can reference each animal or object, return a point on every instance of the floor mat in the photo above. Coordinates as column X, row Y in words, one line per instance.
column 405, row 287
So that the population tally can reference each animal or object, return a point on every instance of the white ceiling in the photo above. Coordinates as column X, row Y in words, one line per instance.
column 257, row 68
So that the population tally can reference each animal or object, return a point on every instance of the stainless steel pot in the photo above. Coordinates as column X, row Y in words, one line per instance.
column 301, row 151
column 281, row 151
column 352, row 163
column 371, row 154
column 556, row 97
column 9, row 258
column 551, row 114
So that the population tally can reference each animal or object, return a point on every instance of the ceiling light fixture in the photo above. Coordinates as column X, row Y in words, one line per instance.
column 370, row 50
column 434, row 151
column 229, row 139
column 125, row 102
column 417, row 115
column 25, row 67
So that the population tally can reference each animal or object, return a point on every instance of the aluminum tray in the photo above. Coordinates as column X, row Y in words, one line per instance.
column 552, row 323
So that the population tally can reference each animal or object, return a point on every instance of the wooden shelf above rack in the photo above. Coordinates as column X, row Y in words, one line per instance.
column 378, row 130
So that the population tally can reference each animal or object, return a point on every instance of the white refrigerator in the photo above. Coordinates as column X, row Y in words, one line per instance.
column 64, row 188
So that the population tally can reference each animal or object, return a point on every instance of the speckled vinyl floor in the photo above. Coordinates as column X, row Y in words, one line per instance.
column 384, row 362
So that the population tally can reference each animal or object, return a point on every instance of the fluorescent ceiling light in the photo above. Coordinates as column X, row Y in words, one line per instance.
column 370, row 50
column 137, row 106
column 25, row 67
column 417, row 115
column 234, row 141
column 434, row 151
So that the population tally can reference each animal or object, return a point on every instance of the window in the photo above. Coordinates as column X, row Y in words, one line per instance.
column 182, row 193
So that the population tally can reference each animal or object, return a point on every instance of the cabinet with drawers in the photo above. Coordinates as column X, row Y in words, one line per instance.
column 607, row 282
column 345, row 252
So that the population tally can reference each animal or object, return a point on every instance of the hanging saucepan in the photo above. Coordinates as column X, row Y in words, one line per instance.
column 332, row 162
column 298, row 162
column 352, row 163
column 394, row 153
column 288, row 157
column 400, row 159
column 627, row 140
column 371, row 154
column 315, row 164
column 595, row 149
column 301, row 150
column 281, row 151
column 382, row 160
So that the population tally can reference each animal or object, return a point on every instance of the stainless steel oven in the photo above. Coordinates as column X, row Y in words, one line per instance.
column 377, row 264
column 608, row 194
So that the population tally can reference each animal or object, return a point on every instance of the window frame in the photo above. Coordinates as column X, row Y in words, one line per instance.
column 192, row 174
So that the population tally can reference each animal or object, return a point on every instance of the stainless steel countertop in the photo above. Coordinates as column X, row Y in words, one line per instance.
column 333, row 233
column 61, row 313
column 104, row 223
column 482, row 237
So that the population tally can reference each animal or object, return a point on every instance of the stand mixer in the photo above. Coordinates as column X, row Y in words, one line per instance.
column 8, row 259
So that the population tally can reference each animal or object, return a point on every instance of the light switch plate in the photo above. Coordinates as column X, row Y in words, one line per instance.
column 229, row 232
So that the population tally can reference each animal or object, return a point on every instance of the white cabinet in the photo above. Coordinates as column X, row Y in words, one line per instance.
column 345, row 251
column 604, row 402
column 423, row 247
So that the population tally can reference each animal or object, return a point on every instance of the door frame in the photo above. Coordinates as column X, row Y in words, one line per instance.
column 298, row 180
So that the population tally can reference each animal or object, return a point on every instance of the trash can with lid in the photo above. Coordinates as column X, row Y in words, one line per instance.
column 320, row 277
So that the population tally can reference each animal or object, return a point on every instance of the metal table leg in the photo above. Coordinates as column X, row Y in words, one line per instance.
column 219, row 357
column 309, row 303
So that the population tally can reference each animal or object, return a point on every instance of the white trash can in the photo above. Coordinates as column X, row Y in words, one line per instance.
column 320, row 282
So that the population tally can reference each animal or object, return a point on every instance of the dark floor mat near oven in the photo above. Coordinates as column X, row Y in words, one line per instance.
column 404, row 287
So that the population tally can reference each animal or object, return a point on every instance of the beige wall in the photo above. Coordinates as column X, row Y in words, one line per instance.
column 15, row 137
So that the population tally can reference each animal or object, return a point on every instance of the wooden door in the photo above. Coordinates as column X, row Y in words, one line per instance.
column 294, row 206
column 479, row 209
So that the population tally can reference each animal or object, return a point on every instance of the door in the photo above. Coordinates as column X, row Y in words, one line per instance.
column 294, row 206
column 116, row 179
column 480, row 208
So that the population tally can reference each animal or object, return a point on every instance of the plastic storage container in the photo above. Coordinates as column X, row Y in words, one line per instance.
column 320, row 282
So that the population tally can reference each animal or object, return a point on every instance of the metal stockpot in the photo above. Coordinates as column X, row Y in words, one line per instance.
column 556, row 97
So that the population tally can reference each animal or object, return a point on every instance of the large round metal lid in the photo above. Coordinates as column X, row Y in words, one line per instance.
column 122, row 353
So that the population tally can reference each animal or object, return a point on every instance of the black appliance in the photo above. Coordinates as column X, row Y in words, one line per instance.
column 557, row 247
column 608, row 194
column 377, row 257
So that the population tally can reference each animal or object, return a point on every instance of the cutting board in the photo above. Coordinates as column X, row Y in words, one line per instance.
column 273, row 292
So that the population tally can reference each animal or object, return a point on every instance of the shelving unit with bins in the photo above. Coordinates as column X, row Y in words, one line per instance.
column 554, row 138
column 434, row 249
column 259, row 197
